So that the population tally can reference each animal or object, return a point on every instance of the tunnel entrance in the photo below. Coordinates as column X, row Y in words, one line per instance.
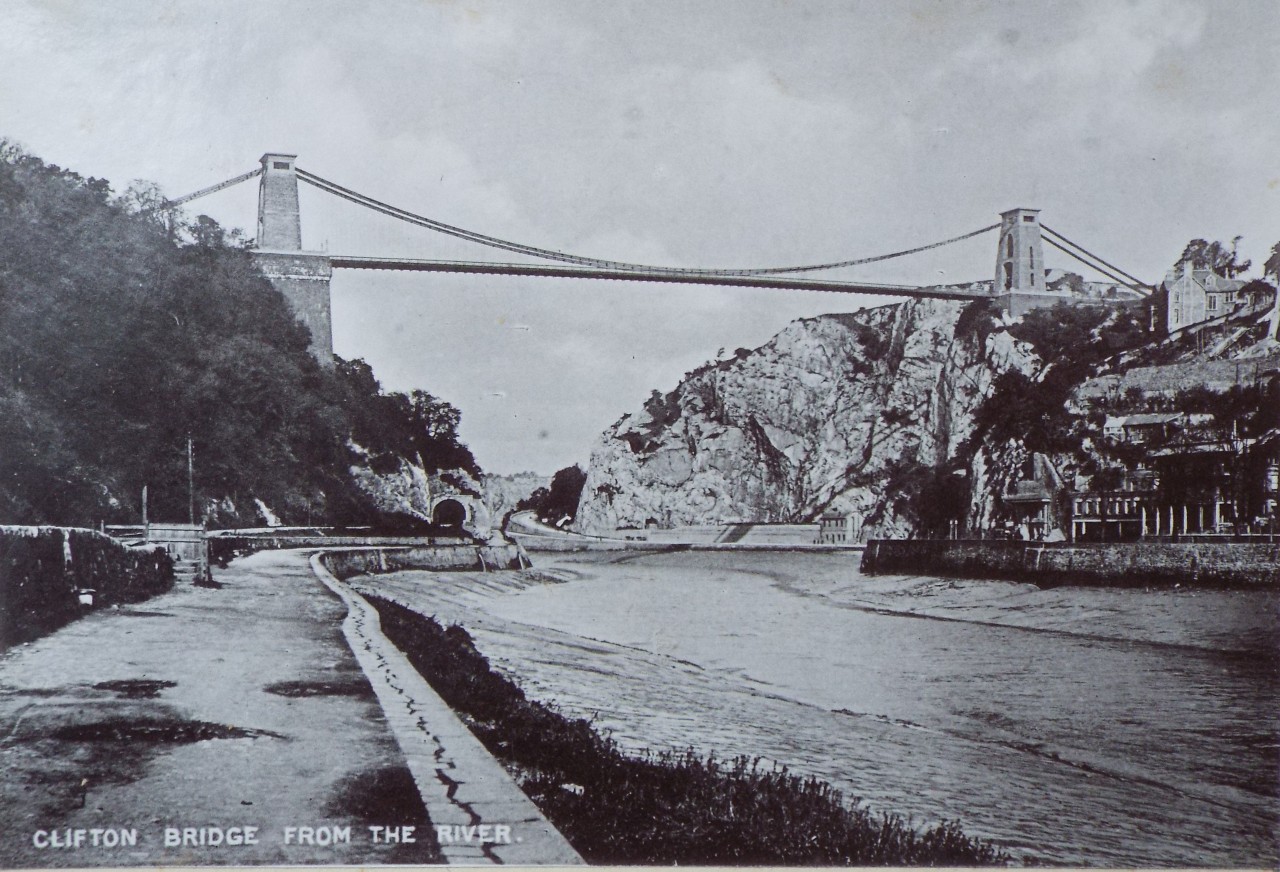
column 449, row 513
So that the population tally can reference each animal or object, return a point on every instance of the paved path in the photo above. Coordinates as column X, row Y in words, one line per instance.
column 231, row 708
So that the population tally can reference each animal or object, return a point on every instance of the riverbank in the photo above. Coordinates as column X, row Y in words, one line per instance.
column 665, row 808
column 1123, row 564
column 480, row 814
column 1081, row 726
column 535, row 536
column 551, row 545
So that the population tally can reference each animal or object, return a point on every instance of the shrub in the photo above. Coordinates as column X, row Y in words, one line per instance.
column 979, row 319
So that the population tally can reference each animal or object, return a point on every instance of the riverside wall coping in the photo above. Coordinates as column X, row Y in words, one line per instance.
column 461, row 784
column 535, row 543
column 1209, row 564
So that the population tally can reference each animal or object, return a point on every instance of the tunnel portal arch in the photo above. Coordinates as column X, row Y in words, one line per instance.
column 450, row 512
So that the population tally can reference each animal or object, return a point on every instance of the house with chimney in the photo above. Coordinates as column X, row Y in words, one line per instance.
column 1191, row 296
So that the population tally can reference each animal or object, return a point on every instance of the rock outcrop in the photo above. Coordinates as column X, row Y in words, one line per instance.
column 503, row 492
column 406, row 490
column 411, row 491
column 830, row 413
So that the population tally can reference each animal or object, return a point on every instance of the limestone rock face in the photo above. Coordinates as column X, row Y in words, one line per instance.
column 502, row 492
column 823, row 415
column 405, row 490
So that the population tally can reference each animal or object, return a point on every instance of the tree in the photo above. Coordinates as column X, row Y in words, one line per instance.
column 120, row 338
column 1073, row 282
column 561, row 499
column 393, row 426
column 1219, row 257
column 434, row 427
column 1272, row 266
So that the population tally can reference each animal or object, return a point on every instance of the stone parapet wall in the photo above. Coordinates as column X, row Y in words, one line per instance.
column 45, row 572
column 364, row 561
column 225, row 548
column 583, row 543
column 1210, row 564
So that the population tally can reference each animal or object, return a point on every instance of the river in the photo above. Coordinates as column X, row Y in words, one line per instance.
column 1074, row 725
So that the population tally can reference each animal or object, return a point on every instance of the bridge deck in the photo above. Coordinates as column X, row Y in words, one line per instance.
column 941, row 292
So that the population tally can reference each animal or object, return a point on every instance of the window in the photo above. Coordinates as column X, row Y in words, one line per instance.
column 280, row 164
column 1028, row 218
column 1213, row 302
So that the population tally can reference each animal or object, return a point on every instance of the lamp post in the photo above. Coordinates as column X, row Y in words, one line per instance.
column 191, row 481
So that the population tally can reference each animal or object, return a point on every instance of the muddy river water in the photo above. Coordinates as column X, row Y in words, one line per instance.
column 1074, row 725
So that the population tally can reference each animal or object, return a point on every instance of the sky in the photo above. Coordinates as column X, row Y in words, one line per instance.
column 718, row 133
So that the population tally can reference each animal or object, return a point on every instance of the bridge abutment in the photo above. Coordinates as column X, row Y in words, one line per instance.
column 302, row 276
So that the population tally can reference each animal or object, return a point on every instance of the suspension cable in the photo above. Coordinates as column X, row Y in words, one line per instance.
column 547, row 254
column 1138, row 288
column 1133, row 279
column 173, row 204
column 337, row 190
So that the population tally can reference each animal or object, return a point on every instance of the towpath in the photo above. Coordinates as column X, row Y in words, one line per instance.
column 212, row 710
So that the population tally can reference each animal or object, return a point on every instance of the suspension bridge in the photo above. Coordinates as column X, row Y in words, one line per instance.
column 303, row 276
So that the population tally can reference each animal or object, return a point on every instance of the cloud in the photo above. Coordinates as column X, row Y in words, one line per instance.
column 711, row 134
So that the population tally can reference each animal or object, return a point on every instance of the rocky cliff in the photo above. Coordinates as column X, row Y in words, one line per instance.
column 406, row 490
column 411, row 491
column 834, row 411
column 503, row 492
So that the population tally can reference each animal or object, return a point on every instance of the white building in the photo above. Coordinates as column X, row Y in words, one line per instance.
column 1195, row 295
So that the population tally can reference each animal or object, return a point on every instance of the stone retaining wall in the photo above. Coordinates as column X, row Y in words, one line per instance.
column 583, row 543
column 1217, row 564
column 345, row 564
column 535, row 544
column 45, row 571
column 223, row 548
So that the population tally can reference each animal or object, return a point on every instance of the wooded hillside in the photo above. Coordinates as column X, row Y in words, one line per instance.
column 123, row 330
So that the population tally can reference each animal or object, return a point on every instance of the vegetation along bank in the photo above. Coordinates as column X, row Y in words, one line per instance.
column 660, row 808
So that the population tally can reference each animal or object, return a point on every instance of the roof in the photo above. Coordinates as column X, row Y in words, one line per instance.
column 1269, row 438
column 1205, row 448
column 1150, row 418
column 1030, row 495
column 1207, row 279
column 1147, row 419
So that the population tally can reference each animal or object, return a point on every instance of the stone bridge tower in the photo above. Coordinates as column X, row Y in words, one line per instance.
column 1019, row 283
column 302, row 276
